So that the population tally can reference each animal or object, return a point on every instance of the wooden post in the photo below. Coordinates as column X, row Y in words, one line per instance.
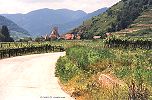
column 46, row 49
column 53, row 48
column 16, row 52
column 21, row 44
column 9, row 53
column 9, row 44
column 1, row 55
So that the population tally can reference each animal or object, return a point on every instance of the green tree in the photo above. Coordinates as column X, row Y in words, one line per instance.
column 5, row 31
column 4, row 35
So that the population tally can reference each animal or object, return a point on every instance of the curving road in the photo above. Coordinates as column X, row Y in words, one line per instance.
column 30, row 78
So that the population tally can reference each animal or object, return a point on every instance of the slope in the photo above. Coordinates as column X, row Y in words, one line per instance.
column 116, row 18
column 141, row 27
column 15, row 30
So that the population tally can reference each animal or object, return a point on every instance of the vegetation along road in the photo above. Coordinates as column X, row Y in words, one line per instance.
column 30, row 78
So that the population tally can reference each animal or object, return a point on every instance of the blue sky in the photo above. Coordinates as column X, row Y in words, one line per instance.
column 24, row 6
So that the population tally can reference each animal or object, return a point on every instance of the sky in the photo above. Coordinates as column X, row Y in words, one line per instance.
column 25, row 6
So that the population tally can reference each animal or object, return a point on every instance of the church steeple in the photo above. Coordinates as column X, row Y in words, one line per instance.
column 54, row 34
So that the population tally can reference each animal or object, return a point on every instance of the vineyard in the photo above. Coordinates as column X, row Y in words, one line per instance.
column 14, row 45
column 11, row 49
column 127, row 42
column 21, row 48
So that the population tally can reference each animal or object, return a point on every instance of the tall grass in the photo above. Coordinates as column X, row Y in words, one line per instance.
column 80, row 69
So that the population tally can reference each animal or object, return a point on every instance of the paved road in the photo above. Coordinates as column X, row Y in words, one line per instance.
column 30, row 78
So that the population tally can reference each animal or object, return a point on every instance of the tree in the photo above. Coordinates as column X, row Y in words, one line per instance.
column 4, row 35
column 5, row 31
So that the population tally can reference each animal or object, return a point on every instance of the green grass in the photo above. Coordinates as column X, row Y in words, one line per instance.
column 80, row 68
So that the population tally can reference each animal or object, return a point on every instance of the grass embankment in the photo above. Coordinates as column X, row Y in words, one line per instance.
column 82, row 71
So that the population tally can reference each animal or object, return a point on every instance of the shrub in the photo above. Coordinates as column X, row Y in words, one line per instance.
column 78, row 54
column 65, row 69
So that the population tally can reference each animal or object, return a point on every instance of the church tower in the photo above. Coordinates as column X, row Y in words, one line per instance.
column 54, row 34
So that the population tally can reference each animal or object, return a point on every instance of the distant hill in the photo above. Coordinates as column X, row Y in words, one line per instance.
column 15, row 30
column 73, row 24
column 116, row 18
column 40, row 22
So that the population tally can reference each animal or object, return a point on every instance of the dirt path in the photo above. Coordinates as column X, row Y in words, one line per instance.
column 30, row 78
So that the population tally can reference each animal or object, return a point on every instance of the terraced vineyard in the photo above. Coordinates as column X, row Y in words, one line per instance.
column 141, row 27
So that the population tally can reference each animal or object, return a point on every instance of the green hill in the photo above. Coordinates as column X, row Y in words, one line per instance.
column 141, row 27
column 116, row 18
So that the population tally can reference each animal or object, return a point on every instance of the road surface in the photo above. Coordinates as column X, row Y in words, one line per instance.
column 30, row 78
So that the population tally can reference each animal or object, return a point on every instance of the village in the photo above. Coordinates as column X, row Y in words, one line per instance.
column 54, row 35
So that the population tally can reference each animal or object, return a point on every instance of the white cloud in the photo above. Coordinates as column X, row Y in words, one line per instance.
column 24, row 6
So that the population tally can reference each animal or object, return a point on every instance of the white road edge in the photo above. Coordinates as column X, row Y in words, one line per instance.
column 31, row 78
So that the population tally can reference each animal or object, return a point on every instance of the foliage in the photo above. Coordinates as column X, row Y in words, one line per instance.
column 91, row 60
column 4, row 35
column 129, row 42
column 65, row 69
column 84, row 57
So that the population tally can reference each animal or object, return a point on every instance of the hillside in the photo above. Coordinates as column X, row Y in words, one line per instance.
column 40, row 22
column 116, row 18
column 141, row 27
column 15, row 30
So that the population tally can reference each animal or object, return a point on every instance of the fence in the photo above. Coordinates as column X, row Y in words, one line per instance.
column 29, row 50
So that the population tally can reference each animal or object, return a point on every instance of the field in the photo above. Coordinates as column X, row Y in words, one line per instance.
column 128, row 72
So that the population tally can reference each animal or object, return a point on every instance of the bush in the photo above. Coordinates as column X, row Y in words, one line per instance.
column 65, row 69
column 84, row 56
column 78, row 54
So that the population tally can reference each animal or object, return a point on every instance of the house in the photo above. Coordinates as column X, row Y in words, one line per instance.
column 96, row 37
column 69, row 36
column 78, row 37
